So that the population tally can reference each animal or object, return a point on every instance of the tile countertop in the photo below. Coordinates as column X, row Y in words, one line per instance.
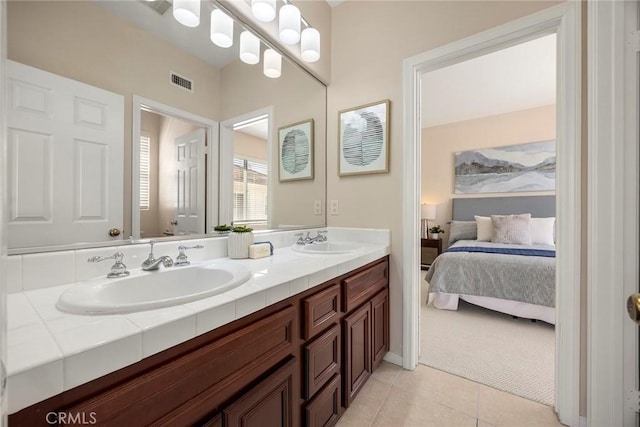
column 50, row 351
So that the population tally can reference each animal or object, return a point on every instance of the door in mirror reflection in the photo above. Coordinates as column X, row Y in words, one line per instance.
column 172, row 184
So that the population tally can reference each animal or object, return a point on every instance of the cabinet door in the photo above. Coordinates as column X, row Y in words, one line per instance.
column 379, row 327
column 269, row 404
column 357, row 351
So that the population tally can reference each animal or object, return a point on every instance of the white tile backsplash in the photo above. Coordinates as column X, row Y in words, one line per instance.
column 47, row 269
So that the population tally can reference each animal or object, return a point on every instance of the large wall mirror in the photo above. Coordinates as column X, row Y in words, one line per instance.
column 195, row 135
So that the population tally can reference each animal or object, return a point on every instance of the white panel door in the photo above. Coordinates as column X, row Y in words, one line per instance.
column 190, row 180
column 65, row 159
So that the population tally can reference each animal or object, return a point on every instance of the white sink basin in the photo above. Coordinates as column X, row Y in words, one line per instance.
column 326, row 248
column 148, row 290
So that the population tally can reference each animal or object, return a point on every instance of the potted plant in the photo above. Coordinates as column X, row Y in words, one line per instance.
column 240, row 238
column 435, row 231
column 222, row 229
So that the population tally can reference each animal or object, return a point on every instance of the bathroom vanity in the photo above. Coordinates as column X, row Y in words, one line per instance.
column 300, row 361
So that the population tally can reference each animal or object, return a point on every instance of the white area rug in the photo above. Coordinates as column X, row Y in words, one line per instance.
column 514, row 355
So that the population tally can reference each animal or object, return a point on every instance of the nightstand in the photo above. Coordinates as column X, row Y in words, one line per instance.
column 430, row 243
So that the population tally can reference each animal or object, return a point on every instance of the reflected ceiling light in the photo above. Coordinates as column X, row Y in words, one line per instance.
column 249, row 48
column 272, row 64
column 310, row 44
column 187, row 12
column 264, row 10
column 221, row 28
column 289, row 24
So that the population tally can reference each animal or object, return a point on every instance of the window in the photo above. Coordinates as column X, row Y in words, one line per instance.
column 145, row 160
column 250, row 180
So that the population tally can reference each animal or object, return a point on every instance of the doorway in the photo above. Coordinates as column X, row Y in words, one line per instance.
column 492, row 120
column 191, row 167
column 564, row 20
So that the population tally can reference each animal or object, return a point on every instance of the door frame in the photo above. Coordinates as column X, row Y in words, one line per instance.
column 612, row 250
column 211, row 128
column 563, row 19
column 226, row 163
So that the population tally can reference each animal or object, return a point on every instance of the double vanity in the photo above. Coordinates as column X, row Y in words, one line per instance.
column 284, row 340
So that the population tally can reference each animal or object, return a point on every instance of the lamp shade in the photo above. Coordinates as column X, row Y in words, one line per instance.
column 264, row 10
column 289, row 24
column 428, row 211
column 249, row 48
column 221, row 29
column 272, row 64
column 187, row 12
column 310, row 44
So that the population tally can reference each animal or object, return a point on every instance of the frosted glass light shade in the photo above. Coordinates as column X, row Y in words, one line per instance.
column 428, row 211
column 264, row 10
column 249, row 48
column 289, row 24
column 310, row 44
column 221, row 29
column 272, row 64
column 187, row 12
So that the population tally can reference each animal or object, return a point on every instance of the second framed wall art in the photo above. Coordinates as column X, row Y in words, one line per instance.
column 295, row 145
column 363, row 138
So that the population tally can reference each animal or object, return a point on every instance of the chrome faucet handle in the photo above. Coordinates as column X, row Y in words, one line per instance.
column 322, row 235
column 300, row 240
column 118, row 269
column 151, row 258
column 182, row 259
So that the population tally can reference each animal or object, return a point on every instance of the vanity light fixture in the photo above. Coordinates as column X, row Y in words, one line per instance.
column 289, row 24
column 272, row 64
column 221, row 29
column 187, row 12
column 249, row 48
column 310, row 44
column 264, row 10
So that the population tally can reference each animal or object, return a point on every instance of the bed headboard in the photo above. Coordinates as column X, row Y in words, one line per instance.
column 538, row 206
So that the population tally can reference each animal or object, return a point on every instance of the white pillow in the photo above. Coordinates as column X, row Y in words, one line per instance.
column 542, row 231
column 511, row 229
column 485, row 228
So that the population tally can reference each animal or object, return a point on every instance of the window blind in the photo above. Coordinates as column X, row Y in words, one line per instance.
column 145, row 166
column 250, row 181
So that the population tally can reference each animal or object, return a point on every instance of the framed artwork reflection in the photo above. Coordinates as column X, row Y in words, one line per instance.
column 295, row 151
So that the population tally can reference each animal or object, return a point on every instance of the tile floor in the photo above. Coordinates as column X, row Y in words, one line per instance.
column 427, row 397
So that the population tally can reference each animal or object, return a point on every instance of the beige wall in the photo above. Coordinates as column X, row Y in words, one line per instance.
column 79, row 40
column 440, row 143
column 366, row 66
column 295, row 97
column 249, row 146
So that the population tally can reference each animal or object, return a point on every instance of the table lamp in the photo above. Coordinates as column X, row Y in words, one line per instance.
column 428, row 211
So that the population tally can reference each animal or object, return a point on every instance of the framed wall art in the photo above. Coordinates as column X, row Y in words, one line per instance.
column 363, row 138
column 507, row 169
column 295, row 143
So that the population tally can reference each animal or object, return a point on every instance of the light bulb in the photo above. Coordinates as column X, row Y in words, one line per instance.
column 249, row 48
column 221, row 29
column 264, row 10
column 310, row 44
column 272, row 64
column 187, row 12
column 289, row 24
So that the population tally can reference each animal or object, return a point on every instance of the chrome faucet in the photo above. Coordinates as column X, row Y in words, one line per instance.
column 118, row 269
column 182, row 259
column 152, row 263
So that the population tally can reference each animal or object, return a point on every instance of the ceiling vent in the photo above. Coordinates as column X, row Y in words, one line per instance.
column 160, row 6
column 181, row 82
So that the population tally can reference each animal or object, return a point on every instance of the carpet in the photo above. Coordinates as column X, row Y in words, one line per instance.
column 514, row 355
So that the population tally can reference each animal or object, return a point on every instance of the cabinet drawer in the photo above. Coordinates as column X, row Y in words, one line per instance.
column 321, row 310
column 322, row 357
column 191, row 386
column 324, row 410
column 364, row 285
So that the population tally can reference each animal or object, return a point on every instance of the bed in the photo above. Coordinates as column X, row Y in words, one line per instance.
column 513, row 278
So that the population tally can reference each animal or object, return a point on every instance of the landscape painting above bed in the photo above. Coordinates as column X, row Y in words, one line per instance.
column 507, row 169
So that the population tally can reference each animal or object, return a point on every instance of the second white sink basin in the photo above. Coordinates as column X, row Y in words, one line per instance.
column 325, row 248
column 149, row 290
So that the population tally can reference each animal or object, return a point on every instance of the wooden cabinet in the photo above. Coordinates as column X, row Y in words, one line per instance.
column 300, row 361
column 272, row 403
